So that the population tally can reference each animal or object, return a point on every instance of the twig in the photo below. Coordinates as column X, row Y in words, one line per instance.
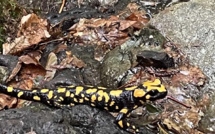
column 62, row 5
column 173, row 99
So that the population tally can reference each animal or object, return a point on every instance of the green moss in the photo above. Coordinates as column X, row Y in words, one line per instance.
column 9, row 11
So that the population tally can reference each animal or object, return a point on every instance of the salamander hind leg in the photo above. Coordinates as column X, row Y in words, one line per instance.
column 61, row 98
column 61, row 102
column 58, row 103
column 122, row 123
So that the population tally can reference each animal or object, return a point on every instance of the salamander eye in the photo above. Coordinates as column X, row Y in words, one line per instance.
column 153, row 92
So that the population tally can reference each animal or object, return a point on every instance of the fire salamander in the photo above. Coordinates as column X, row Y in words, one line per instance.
column 122, row 101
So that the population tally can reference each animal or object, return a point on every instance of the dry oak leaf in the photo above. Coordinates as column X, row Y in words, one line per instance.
column 50, row 71
column 32, row 31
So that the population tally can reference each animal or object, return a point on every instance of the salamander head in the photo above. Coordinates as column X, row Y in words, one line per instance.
column 150, row 90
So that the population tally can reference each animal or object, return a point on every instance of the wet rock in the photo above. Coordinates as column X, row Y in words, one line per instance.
column 72, row 16
column 8, row 61
column 68, row 18
column 54, row 5
column 46, row 51
column 117, row 62
column 43, row 120
column 108, row 2
column 74, row 76
column 152, row 37
column 155, row 59
column 4, row 73
column 65, row 77
column 123, row 57
column 45, row 6
column 81, row 119
column 191, row 25
column 7, row 64
column 89, row 75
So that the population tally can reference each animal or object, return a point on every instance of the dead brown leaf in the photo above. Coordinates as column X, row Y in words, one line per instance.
column 189, row 74
column 182, row 120
column 61, row 47
column 71, row 61
column 26, row 59
column 25, row 81
column 32, row 31
column 15, row 71
column 50, row 71
column 7, row 101
column 108, row 31
column 77, row 62
column 35, row 54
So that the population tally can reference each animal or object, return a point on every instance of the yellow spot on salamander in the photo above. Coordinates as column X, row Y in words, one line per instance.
column 133, row 127
column 99, row 98
column 72, row 95
column 75, row 100
column 116, row 93
column 162, row 88
column 82, row 95
column 100, row 94
column 86, row 98
column 44, row 90
column 106, row 108
column 124, row 110
column 116, row 107
column 152, row 85
column 61, row 90
column 93, row 98
column 34, row 91
column 120, row 123
column 112, row 103
column 135, row 107
column 36, row 98
column 131, row 88
column 89, row 91
column 78, row 90
column 71, row 86
column 81, row 100
column 148, row 96
column 107, row 98
column 61, row 98
column 103, row 88
column 92, row 104
column 142, row 102
column 88, row 86
column 67, row 93
column 139, row 93
column 9, row 89
column 20, row 94
column 72, row 104
column 50, row 94
column 128, row 124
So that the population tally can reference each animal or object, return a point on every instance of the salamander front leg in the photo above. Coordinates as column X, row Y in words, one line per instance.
column 121, row 121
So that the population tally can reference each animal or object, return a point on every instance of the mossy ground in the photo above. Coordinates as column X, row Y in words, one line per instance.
column 10, row 13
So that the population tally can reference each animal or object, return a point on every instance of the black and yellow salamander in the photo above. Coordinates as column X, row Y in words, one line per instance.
column 122, row 101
